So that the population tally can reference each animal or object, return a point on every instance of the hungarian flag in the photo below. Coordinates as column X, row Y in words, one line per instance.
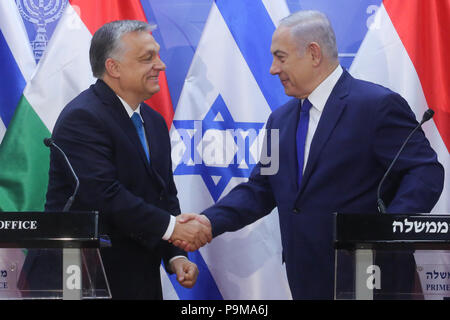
column 406, row 50
column 31, row 98
column 38, row 96
column 94, row 14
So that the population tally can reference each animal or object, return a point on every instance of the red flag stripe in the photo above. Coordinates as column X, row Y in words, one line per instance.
column 161, row 101
column 424, row 31
column 96, row 13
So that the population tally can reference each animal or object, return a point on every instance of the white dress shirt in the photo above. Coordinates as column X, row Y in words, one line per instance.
column 318, row 99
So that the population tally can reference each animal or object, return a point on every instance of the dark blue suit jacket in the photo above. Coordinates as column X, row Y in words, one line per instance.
column 361, row 129
column 134, row 198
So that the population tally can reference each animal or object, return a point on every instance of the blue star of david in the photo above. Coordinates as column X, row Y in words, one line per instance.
column 217, row 178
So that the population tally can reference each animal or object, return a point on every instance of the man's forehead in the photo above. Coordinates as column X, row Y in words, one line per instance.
column 142, row 39
column 281, row 32
column 283, row 40
column 138, row 36
column 279, row 38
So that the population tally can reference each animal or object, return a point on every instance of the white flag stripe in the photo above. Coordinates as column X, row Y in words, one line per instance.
column 394, row 69
column 233, row 80
column 2, row 130
column 197, row 190
column 13, row 29
column 169, row 292
column 384, row 47
column 277, row 10
column 245, row 264
column 383, row 59
column 208, row 76
column 64, row 70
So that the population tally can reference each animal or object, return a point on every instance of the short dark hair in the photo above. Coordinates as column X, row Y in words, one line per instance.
column 106, row 42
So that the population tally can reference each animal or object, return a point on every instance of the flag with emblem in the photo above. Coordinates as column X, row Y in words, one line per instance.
column 29, row 114
column 406, row 50
column 18, row 65
column 42, row 70
column 216, row 137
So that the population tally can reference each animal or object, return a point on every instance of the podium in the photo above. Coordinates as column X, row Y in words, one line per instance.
column 391, row 256
column 52, row 255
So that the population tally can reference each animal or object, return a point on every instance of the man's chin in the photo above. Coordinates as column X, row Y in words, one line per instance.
column 291, row 93
column 153, row 90
column 288, row 92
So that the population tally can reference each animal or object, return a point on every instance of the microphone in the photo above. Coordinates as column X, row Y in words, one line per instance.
column 50, row 143
column 426, row 116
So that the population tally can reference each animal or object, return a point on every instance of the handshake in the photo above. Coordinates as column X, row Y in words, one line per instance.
column 191, row 231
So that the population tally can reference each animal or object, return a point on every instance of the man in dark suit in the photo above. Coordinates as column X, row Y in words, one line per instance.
column 337, row 137
column 120, row 149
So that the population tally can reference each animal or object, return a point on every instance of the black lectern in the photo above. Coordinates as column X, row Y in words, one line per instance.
column 392, row 256
column 51, row 255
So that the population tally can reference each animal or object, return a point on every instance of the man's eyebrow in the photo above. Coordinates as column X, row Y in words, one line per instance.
column 148, row 53
column 279, row 52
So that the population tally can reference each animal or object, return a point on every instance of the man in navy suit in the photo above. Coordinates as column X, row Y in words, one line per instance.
column 120, row 149
column 337, row 137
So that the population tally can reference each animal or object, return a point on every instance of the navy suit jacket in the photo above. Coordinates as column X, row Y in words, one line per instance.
column 134, row 197
column 361, row 129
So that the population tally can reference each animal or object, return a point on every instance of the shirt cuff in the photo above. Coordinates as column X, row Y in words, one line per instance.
column 170, row 228
column 176, row 257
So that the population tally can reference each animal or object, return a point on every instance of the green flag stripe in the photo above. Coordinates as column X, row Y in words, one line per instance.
column 24, row 162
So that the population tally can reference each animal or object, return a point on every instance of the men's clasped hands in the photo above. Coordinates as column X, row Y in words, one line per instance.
column 192, row 231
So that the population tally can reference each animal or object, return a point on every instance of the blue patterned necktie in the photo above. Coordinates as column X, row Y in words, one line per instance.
column 302, row 130
column 136, row 119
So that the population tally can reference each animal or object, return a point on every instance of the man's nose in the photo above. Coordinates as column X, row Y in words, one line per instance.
column 274, row 69
column 160, row 65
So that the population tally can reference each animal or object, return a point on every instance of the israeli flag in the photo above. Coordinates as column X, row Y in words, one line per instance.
column 217, row 135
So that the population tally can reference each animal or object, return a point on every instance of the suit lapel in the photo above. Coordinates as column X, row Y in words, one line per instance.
column 121, row 116
column 332, row 111
column 152, row 139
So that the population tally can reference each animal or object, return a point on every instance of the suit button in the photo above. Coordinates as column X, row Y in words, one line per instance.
column 296, row 210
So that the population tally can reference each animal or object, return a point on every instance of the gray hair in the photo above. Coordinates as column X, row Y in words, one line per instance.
column 312, row 26
column 106, row 42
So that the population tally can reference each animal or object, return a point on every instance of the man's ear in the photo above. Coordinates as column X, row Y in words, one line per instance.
column 316, row 53
column 112, row 68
